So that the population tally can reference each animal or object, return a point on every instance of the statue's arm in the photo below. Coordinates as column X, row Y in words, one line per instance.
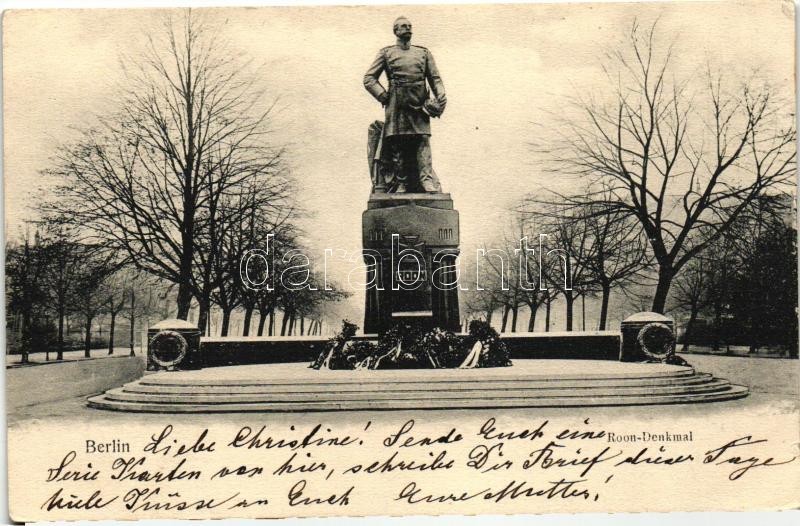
column 372, row 79
column 434, row 79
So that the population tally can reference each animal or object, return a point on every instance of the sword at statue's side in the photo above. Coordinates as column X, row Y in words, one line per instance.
column 374, row 153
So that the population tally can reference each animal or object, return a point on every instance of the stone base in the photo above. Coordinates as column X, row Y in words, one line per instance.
column 250, row 350
column 528, row 383
column 410, row 249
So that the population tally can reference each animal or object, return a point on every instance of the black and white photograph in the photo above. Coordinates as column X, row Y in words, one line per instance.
column 400, row 260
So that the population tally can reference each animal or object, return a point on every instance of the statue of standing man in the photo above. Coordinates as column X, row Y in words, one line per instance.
column 400, row 153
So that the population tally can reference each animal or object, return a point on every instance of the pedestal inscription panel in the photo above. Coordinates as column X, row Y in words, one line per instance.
column 410, row 249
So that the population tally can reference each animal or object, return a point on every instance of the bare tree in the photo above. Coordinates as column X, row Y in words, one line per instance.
column 617, row 251
column 567, row 254
column 144, row 296
column 92, row 290
column 479, row 304
column 571, row 236
column 64, row 258
column 119, row 288
column 692, row 294
column 497, row 283
column 297, row 303
column 685, row 163
column 316, row 304
column 192, row 130
column 266, row 299
column 25, row 268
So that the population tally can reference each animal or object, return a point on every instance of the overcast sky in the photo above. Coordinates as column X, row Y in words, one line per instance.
column 506, row 70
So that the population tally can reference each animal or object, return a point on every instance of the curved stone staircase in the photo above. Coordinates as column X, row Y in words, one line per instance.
column 528, row 383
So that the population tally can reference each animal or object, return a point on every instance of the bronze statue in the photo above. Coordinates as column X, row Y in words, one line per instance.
column 400, row 150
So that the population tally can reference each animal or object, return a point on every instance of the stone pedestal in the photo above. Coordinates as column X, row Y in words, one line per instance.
column 173, row 345
column 410, row 248
column 631, row 349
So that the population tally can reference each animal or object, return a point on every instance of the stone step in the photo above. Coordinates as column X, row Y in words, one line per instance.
column 528, row 383
column 455, row 394
column 732, row 392
column 293, row 374
column 524, row 383
column 433, row 387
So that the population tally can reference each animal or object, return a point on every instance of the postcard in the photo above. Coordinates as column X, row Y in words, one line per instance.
column 401, row 260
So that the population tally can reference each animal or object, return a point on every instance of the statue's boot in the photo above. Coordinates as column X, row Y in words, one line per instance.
column 430, row 188
column 427, row 176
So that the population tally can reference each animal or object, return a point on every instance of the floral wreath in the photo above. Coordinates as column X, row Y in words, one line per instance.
column 164, row 338
column 656, row 340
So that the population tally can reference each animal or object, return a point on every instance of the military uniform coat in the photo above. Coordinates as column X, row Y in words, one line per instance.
column 407, row 69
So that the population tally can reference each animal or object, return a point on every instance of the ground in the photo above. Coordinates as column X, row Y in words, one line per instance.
column 737, row 350
column 39, row 437
column 40, row 358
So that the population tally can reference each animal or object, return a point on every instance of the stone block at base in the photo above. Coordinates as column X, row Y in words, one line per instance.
column 528, row 383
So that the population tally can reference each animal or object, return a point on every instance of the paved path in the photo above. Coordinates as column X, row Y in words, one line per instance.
column 736, row 350
column 39, row 358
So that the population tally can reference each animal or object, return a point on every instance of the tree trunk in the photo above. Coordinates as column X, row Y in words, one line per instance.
column 532, row 318
column 583, row 312
column 547, row 315
column 284, row 321
column 665, row 275
column 506, row 309
column 291, row 324
column 689, row 326
column 569, row 299
column 272, row 321
column 184, row 298
column 60, row 354
column 111, row 333
column 514, row 312
column 604, row 306
column 187, row 237
column 87, row 344
column 26, row 337
column 753, row 331
column 489, row 314
column 302, row 325
column 248, row 316
column 262, row 318
column 203, row 312
column 717, row 325
column 133, row 321
column 226, row 322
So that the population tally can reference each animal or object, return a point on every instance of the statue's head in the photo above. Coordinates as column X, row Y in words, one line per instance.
column 402, row 28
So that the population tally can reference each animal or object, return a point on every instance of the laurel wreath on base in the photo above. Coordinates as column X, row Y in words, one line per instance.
column 168, row 348
column 656, row 340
